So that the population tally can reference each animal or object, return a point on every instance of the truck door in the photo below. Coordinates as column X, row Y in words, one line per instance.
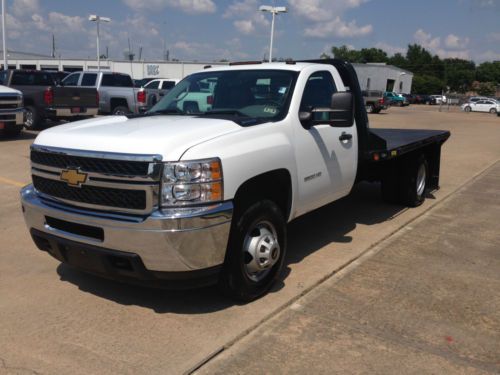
column 326, row 156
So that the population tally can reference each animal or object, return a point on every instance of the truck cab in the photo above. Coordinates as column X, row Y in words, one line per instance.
column 204, row 193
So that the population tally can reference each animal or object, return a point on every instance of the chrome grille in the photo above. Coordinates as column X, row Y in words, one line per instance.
column 115, row 182
column 99, row 196
column 106, row 166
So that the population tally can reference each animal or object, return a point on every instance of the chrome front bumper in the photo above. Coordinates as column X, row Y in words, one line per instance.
column 12, row 116
column 177, row 240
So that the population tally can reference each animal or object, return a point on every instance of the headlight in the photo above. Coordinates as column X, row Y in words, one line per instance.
column 191, row 182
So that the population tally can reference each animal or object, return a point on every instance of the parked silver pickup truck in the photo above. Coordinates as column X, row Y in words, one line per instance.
column 117, row 94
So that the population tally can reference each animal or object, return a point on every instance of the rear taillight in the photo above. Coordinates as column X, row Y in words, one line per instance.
column 141, row 96
column 48, row 96
column 381, row 101
column 210, row 99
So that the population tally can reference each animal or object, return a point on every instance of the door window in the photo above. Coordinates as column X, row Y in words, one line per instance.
column 89, row 79
column 71, row 80
column 153, row 85
column 167, row 85
column 318, row 94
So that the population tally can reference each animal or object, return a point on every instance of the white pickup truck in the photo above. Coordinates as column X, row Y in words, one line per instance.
column 11, row 111
column 180, row 199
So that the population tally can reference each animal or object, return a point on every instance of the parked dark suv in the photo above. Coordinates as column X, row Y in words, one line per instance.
column 45, row 99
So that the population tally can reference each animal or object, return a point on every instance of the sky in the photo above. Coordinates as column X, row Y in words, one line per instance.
column 211, row 30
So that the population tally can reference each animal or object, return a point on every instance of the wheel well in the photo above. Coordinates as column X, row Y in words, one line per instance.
column 274, row 185
column 117, row 102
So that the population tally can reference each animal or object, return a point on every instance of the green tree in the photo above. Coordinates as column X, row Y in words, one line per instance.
column 489, row 72
column 419, row 60
column 398, row 60
column 459, row 74
column 426, row 84
column 486, row 89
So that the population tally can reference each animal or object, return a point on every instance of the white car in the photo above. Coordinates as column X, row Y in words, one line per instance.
column 484, row 105
column 439, row 99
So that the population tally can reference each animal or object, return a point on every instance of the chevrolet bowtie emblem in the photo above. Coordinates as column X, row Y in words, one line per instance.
column 73, row 177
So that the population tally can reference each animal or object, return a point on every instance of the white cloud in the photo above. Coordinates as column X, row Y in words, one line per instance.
column 323, row 18
column 338, row 28
column 247, row 17
column 454, row 42
column 244, row 26
column 25, row 7
column 390, row 49
column 454, row 47
column 489, row 56
column 323, row 10
column 187, row 6
column 495, row 37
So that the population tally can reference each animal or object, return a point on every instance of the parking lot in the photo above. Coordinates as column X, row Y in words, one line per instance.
column 58, row 320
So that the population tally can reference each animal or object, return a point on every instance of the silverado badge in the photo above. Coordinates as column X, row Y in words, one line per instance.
column 73, row 177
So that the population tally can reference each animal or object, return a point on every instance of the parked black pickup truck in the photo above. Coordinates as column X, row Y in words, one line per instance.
column 45, row 99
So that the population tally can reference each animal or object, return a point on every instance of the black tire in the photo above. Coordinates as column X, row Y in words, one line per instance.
column 412, row 193
column 235, row 280
column 190, row 107
column 120, row 111
column 32, row 118
column 400, row 104
column 13, row 132
column 152, row 101
column 493, row 111
column 467, row 109
column 377, row 110
column 370, row 108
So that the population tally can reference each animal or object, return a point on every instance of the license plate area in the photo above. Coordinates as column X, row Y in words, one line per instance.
column 76, row 110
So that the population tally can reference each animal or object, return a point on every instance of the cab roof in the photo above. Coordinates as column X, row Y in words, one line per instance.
column 291, row 66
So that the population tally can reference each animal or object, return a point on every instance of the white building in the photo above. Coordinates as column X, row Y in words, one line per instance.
column 371, row 76
column 382, row 77
column 137, row 69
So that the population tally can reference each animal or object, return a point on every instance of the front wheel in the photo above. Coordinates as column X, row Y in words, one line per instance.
column 493, row 111
column 467, row 109
column 32, row 118
column 255, row 253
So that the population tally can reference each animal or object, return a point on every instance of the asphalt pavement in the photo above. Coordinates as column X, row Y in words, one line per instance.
column 57, row 320
column 425, row 301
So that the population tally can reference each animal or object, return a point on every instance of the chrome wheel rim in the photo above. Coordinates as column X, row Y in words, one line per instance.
column 421, row 177
column 261, row 251
column 28, row 122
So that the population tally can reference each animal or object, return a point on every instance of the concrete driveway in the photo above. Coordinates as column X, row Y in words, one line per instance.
column 56, row 320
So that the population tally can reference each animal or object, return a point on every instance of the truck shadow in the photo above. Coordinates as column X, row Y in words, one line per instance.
column 330, row 224
column 333, row 223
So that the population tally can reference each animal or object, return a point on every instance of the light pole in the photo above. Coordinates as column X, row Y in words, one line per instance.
column 274, row 11
column 97, row 19
column 5, row 66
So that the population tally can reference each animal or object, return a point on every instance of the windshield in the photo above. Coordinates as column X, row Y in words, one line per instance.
column 260, row 94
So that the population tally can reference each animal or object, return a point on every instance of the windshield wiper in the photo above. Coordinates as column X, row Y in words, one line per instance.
column 168, row 111
column 226, row 112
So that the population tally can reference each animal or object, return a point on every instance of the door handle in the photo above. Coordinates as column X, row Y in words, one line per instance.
column 344, row 137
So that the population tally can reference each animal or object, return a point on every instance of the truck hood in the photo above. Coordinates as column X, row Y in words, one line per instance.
column 168, row 136
column 8, row 90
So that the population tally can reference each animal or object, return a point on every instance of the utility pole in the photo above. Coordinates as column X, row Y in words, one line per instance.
column 5, row 62
column 53, row 46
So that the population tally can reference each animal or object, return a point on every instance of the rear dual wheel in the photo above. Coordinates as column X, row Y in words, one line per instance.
column 407, row 184
column 255, row 253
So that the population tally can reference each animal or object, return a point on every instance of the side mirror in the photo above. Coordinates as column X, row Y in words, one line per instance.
column 342, row 108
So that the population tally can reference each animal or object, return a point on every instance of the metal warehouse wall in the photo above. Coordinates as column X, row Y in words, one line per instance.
column 378, row 75
column 137, row 69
